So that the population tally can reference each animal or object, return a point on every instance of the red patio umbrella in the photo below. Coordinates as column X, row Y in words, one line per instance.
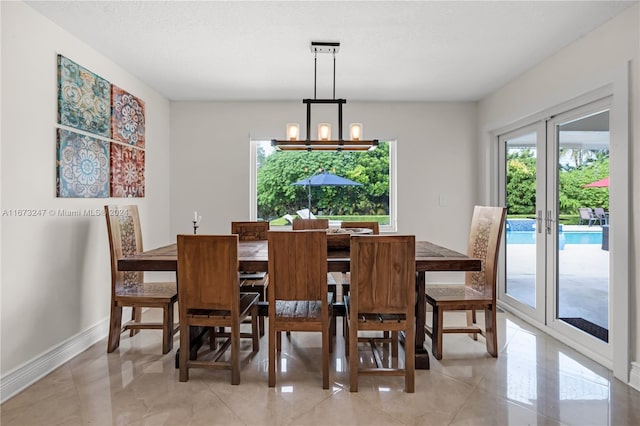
column 602, row 183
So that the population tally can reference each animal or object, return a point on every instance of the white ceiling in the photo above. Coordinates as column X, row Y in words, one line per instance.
column 390, row 50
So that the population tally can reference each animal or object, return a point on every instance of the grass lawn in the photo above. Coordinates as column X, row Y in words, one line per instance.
column 382, row 219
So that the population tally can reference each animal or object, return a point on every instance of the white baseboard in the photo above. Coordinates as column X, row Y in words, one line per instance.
column 32, row 371
column 634, row 377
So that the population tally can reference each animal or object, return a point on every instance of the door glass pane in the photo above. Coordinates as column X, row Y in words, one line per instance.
column 521, row 224
column 582, row 290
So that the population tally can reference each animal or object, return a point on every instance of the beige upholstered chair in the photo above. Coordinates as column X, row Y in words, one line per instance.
column 382, row 298
column 128, row 288
column 210, row 296
column 298, row 296
column 479, row 290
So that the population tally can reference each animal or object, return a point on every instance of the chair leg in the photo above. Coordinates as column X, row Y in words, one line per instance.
column 332, row 331
column 235, row 353
column 212, row 338
column 185, row 332
column 345, row 332
column 115, row 328
column 490, row 334
column 255, row 329
column 272, row 351
column 167, row 329
column 394, row 346
column 326, row 345
column 471, row 320
column 353, row 360
column 410, row 358
column 436, row 334
column 136, row 315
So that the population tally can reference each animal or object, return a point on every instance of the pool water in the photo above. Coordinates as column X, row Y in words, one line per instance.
column 569, row 237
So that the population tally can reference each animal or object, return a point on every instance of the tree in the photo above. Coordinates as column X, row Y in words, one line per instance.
column 521, row 182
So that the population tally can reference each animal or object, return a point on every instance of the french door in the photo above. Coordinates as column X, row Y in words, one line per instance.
column 556, row 268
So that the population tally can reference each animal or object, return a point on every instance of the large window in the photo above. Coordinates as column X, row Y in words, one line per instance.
column 280, row 185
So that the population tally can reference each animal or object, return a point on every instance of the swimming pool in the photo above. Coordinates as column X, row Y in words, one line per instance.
column 566, row 237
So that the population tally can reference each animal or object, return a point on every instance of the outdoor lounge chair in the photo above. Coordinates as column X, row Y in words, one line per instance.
column 305, row 214
column 587, row 215
column 603, row 217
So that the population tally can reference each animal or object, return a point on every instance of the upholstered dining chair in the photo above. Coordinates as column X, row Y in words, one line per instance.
column 298, row 296
column 210, row 297
column 128, row 288
column 479, row 290
column 382, row 298
column 253, row 231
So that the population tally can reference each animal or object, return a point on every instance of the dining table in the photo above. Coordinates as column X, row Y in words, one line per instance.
column 254, row 256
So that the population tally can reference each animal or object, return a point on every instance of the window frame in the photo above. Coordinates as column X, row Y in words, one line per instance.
column 393, row 188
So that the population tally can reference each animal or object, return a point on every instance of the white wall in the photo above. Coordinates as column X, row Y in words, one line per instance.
column 55, row 270
column 437, row 156
column 575, row 70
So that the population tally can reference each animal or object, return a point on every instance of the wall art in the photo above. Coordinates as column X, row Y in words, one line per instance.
column 84, row 98
column 82, row 166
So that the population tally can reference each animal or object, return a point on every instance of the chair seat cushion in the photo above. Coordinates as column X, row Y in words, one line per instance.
column 455, row 293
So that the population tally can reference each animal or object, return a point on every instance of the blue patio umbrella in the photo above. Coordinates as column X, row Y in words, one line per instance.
column 324, row 179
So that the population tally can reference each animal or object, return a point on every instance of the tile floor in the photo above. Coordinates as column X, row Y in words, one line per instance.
column 535, row 380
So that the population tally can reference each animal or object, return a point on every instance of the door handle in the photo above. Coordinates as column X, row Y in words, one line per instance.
column 539, row 222
column 549, row 222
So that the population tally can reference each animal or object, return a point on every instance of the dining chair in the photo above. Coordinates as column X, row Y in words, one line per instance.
column 382, row 298
column 210, row 297
column 479, row 289
column 299, row 224
column 253, row 231
column 375, row 228
column 298, row 296
column 128, row 288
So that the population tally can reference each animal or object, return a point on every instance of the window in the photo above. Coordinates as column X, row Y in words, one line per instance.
column 275, row 196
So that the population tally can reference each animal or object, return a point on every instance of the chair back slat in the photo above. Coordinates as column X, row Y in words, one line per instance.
column 374, row 226
column 125, row 239
column 383, row 274
column 300, row 224
column 250, row 231
column 208, row 272
column 487, row 224
column 298, row 265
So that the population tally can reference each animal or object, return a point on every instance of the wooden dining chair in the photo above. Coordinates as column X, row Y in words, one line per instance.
column 479, row 290
column 253, row 231
column 128, row 288
column 210, row 296
column 382, row 298
column 375, row 228
column 298, row 296
column 300, row 224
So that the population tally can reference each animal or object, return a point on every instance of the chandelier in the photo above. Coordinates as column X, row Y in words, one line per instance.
column 324, row 141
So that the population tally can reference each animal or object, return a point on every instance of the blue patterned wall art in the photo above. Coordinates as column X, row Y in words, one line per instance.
column 84, row 99
column 82, row 166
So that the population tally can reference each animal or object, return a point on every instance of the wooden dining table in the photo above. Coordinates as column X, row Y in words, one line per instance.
column 253, row 256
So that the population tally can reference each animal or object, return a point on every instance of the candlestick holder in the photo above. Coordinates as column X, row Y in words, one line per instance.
column 195, row 227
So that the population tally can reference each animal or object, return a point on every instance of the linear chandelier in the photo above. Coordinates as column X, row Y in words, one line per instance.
column 324, row 141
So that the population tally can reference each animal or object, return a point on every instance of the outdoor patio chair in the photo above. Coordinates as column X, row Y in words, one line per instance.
column 306, row 214
column 603, row 217
column 587, row 215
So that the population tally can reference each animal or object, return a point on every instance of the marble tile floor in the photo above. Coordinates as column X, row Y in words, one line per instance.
column 535, row 380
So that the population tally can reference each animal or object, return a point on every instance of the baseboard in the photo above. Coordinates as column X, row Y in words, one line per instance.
column 634, row 377
column 32, row 371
